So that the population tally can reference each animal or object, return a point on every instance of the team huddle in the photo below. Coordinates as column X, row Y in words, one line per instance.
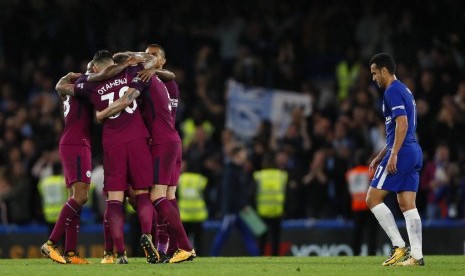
column 135, row 99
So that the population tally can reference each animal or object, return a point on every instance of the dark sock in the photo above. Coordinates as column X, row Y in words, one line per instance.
column 166, row 210
column 116, row 221
column 174, row 202
column 108, row 239
column 154, row 227
column 172, row 244
column 162, row 235
column 70, row 209
column 145, row 212
column 72, row 234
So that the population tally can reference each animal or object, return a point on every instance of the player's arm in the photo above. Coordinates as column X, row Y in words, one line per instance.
column 114, row 70
column 149, row 59
column 65, row 85
column 399, row 137
column 118, row 105
column 163, row 74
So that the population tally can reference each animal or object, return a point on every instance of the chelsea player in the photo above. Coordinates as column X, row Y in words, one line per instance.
column 397, row 165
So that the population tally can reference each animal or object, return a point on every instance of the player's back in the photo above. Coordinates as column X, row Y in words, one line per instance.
column 157, row 112
column 78, row 119
column 125, row 126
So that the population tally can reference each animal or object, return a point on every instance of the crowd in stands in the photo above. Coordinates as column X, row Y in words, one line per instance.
column 320, row 48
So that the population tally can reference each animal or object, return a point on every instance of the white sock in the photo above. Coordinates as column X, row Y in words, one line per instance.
column 387, row 222
column 413, row 225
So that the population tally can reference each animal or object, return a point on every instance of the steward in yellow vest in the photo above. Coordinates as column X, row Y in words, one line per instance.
column 54, row 194
column 271, row 194
column 347, row 72
column 192, row 206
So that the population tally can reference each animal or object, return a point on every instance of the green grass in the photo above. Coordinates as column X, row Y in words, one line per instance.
column 283, row 266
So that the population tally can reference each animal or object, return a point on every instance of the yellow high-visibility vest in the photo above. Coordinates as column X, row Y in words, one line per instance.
column 188, row 129
column 192, row 207
column 345, row 78
column 271, row 192
column 54, row 194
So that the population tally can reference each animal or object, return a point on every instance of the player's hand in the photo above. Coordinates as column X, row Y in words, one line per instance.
column 146, row 74
column 73, row 76
column 374, row 164
column 133, row 60
column 98, row 117
column 391, row 166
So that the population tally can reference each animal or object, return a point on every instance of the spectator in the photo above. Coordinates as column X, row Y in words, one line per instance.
column 315, row 187
column 17, row 194
column 435, row 181
column 235, row 194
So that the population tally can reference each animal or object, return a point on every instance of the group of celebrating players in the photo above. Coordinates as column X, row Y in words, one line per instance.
column 135, row 99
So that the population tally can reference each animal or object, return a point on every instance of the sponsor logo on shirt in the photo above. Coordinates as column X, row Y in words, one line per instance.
column 136, row 79
column 174, row 102
column 398, row 107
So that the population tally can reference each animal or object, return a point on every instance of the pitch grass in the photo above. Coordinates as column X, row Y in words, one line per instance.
column 243, row 266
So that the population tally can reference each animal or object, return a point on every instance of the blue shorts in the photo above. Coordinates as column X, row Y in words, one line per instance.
column 406, row 178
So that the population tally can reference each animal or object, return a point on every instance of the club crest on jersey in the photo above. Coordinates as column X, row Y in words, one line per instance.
column 388, row 120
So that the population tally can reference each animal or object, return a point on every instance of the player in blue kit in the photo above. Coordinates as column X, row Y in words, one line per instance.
column 397, row 165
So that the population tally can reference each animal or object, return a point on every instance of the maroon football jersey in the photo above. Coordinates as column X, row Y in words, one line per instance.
column 78, row 119
column 157, row 112
column 173, row 91
column 125, row 126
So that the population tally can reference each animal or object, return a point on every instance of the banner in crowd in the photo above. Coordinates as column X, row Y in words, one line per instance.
column 248, row 106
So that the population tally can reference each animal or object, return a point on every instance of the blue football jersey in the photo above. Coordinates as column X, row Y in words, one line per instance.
column 398, row 100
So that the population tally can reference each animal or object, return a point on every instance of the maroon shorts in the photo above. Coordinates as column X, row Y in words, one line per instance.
column 178, row 167
column 77, row 163
column 127, row 164
column 166, row 163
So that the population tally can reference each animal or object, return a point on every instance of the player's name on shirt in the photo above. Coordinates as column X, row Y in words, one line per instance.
column 110, row 85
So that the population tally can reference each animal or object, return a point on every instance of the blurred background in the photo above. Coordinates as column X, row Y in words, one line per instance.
column 315, row 51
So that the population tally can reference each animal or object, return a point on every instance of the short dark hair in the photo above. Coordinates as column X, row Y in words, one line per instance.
column 384, row 60
column 102, row 56
column 120, row 58
column 154, row 45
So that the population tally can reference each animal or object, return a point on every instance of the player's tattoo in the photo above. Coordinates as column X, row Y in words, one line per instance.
column 131, row 96
column 64, row 86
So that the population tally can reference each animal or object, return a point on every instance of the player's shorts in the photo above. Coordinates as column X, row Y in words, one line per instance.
column 77, row 163
column 166, row 163
column 407, row 176
column 178, row 167
column 127, row 164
